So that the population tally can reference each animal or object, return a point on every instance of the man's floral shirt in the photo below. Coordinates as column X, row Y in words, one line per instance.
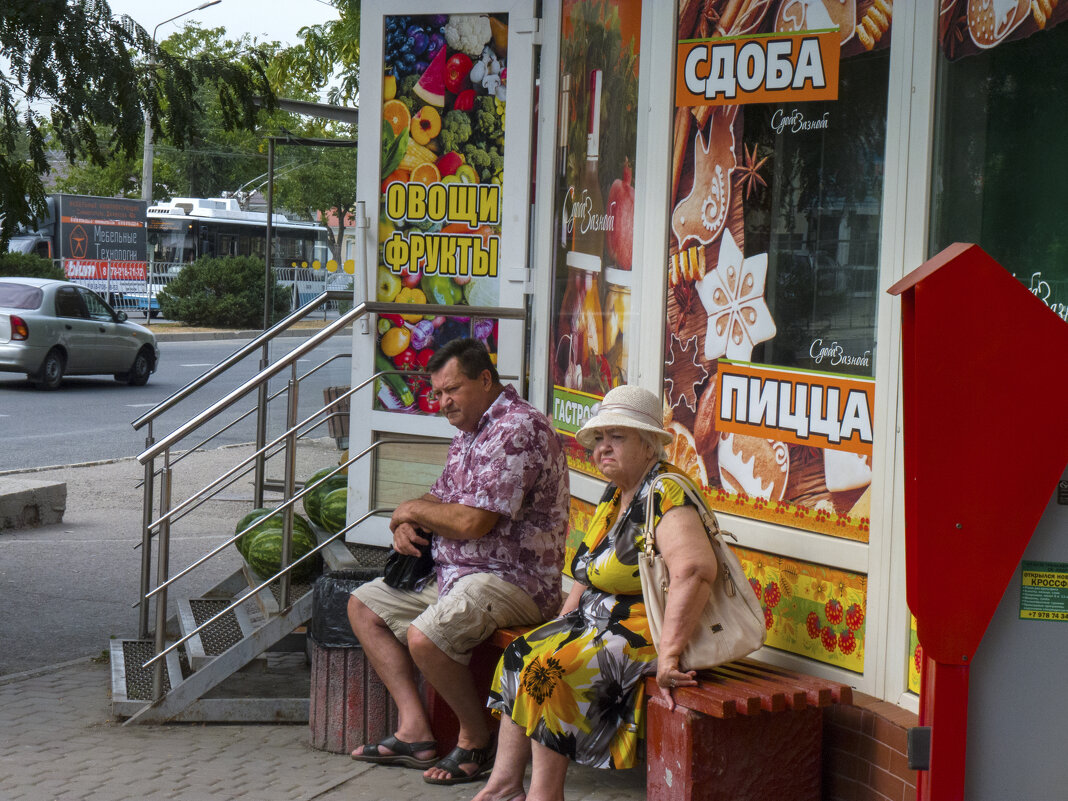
column 511, row 464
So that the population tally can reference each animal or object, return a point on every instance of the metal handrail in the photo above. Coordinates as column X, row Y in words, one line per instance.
column 266, row 583
column 311, row 343
column 238, row 355
column 253, row 409
column 279, row 509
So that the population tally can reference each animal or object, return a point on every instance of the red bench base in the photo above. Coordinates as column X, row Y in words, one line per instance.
column 693, row 757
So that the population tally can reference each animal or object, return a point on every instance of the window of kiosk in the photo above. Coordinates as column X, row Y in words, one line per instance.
column 999, row 171
column 775, row 218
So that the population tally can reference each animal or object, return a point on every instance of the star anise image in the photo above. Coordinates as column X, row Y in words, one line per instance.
column 689, row 302
column 748, row 172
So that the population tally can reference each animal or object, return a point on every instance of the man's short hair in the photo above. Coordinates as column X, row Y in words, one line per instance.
column 470, row 354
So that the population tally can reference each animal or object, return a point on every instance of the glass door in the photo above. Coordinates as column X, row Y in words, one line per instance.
column 448, row 196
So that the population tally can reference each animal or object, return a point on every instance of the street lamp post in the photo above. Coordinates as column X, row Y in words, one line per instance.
column 149, row 154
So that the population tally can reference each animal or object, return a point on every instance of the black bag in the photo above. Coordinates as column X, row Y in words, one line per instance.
column 403, row 572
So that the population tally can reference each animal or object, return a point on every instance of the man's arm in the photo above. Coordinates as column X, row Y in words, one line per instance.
column 453, row 521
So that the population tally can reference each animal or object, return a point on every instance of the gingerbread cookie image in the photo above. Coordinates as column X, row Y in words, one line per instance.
column 991, row 21
column 753, row 466
column 700, row 216
column 816, row 15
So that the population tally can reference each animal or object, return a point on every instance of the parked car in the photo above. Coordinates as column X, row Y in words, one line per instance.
column 49, row 329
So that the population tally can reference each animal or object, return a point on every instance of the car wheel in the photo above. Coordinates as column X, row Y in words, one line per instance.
column 140, row 370
column 50, row 376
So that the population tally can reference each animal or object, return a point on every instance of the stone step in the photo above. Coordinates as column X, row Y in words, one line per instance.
column 28, row 503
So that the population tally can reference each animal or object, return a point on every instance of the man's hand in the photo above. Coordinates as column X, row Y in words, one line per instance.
column 453, row 521
column 406, row 539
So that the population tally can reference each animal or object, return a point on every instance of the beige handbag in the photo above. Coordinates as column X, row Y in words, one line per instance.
column 732, row 622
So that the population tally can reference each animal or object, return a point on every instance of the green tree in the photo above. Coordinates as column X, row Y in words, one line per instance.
column 327, row 53
column 94, row 73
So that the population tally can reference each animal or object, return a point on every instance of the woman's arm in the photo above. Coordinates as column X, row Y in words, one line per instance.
column 687, row 552
column 571, row 602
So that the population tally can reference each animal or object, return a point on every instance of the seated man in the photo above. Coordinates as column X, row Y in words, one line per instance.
column 499, row 516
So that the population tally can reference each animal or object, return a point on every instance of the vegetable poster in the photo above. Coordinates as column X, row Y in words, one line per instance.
column 593, row 211
column 445, row 81
column 776, row 191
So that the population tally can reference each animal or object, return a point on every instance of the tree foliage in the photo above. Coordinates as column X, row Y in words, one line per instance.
column 327, row 52
column 75, row 71
column 221, row 292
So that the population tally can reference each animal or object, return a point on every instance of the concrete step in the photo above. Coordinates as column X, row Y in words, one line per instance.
column 28, row 503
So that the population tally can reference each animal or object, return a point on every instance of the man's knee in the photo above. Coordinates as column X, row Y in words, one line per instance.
column 361, row 616
column 423, row 649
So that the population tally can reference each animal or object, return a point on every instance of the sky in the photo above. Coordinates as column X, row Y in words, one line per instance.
column 264, row 19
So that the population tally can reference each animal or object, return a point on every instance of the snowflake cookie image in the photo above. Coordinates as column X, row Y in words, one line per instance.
column 733, row 297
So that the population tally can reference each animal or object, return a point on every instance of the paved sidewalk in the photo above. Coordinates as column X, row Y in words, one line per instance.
column 60, row 744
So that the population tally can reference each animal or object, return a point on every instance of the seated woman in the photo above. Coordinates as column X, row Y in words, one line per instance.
column 573, row 688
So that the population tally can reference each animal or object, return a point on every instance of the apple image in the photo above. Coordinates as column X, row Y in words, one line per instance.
column 389, row 285
column 410, row 279
column 460, row 280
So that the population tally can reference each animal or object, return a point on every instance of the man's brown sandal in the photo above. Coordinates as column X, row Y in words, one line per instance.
column 403, row 753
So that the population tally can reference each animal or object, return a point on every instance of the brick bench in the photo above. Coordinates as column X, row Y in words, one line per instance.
column 749, row 730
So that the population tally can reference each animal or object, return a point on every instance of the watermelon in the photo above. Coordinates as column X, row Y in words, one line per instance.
column 264, row 551
column 299, row 524
column 314, row 496
column 431, row 86
column 333, row 509
column 244, row 523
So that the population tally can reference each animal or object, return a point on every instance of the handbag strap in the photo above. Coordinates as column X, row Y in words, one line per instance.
column 708, row 517
column 708, row 520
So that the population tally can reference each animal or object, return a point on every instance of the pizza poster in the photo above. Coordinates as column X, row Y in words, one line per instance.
column 772, row 262
column 445, row 84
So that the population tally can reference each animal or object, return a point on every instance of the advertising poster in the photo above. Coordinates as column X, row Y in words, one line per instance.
column 593, row 211
column 809, row 609
column 102, row 242
column 776, row 191
column 445, row 79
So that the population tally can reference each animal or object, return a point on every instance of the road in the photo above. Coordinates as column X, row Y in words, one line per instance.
column 88, row 418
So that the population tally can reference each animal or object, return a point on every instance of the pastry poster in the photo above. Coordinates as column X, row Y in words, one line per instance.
column 593, row 211
column 445, row 83
column 776, row 188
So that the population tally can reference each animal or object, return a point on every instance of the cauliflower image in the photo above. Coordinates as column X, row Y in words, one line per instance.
column 468, row 33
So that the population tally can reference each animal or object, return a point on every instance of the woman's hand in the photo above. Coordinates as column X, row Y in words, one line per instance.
column 669, row 677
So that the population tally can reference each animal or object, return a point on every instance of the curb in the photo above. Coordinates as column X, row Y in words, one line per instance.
column 11, row 678
column 196, row 336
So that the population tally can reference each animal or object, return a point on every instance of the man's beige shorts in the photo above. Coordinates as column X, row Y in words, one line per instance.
column 477, row 605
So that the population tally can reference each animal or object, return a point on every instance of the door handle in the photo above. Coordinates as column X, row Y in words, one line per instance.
column 69, row 327
column 103, row 330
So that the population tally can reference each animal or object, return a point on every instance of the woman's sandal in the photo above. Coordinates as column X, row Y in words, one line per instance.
column 403, row 753
column 481, row 757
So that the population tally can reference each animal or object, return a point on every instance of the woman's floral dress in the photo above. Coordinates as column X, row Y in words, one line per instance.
column 575, row 684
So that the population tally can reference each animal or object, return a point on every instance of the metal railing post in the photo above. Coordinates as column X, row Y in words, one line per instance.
column 286, row 583
column 162, row 567
column 261, row 432
column 146, row 541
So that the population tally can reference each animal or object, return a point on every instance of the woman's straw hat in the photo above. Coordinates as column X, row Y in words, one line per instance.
column 626, row 407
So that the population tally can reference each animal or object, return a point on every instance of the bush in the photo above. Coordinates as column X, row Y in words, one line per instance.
column 27, row 265
column 222, row 293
